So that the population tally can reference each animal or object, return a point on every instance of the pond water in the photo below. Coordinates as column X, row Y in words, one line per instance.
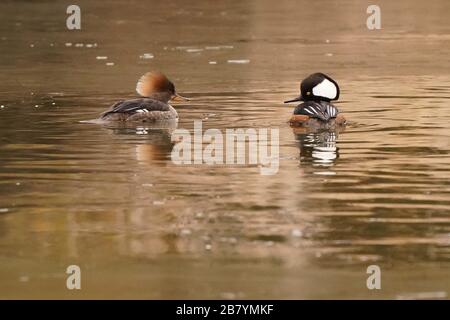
column 109, row 198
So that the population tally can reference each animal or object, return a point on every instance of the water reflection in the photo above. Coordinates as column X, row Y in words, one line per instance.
column 156, row 144
column 317, row 147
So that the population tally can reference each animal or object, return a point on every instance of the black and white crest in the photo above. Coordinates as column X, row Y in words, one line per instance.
column 319, row 85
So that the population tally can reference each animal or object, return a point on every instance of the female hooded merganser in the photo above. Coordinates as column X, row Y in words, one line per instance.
column 156, row 91
column 317, row 90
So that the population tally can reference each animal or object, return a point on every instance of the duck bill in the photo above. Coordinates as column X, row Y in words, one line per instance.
column 177, row 97
column 299, row 98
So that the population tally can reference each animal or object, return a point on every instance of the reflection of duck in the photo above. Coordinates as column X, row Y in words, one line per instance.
column 156, row 138
column 156, row 150
column 317, row 91
column 317, row 147
column 156, row 91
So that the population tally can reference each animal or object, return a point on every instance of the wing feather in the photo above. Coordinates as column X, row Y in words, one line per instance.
column 135, row 105
column 317, row 110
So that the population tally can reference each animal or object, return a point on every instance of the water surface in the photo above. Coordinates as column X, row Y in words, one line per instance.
column 109, row 198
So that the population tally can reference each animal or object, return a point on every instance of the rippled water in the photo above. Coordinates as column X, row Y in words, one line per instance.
column 109, row 198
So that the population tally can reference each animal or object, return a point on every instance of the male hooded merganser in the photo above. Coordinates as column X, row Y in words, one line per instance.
column 156, row 91
column 317, row 91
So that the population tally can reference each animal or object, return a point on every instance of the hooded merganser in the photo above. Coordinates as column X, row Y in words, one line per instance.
column 156, row 91
column 317, row 91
